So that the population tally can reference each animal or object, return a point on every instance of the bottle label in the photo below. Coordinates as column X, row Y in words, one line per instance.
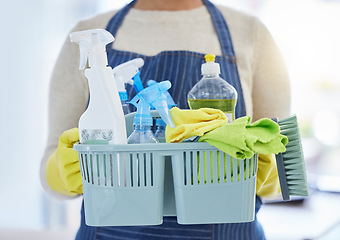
column 91, row 135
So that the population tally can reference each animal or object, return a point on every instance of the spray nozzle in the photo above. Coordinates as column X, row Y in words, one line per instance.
column 143, row 116
column 92, row 46
column 128, row 72
column 210, row 67
column 169, row 99
column 152, row 96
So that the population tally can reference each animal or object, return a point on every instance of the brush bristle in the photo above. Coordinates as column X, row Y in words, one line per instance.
column 293, row 158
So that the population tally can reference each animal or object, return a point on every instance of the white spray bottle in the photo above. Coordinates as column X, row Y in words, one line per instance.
column 128, row 73
column 103, row 121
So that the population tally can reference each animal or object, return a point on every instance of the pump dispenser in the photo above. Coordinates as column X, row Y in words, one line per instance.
column 150, row 96
column 103, row 121
column 212, row 91
column 128, row 73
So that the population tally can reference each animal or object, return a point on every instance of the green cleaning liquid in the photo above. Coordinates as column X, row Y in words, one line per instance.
column 225, row 105
column 211, row 91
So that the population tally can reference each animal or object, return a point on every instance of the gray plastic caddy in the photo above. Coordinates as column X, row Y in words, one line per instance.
column 138, row 184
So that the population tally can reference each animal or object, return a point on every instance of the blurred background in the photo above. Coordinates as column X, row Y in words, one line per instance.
column 32, row 35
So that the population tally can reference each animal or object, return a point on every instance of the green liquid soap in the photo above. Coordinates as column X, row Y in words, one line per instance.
column 225, row 105
column 211, row 91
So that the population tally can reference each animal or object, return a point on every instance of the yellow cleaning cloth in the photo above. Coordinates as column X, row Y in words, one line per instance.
column 63, row 169
column 240, row 139
column 191, row 123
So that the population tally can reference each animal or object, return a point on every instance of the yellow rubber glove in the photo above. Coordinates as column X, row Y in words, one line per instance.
column 63, row 169
column 267, row 181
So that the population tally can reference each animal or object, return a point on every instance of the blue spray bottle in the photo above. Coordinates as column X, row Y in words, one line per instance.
column 128, row 73
column 169, row 99
column 159, row 123
column 150, row 96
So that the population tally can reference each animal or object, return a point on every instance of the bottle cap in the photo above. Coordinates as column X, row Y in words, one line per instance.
column 210, row 67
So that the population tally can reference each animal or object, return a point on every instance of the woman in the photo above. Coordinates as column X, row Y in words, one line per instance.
column 172, row 36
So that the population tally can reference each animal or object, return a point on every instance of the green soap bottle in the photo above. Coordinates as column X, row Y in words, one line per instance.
column 212, row 91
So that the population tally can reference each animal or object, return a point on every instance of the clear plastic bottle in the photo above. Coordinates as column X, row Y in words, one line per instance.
column 142, row 134
column 160, row 130
column 142, row 122
column 212, row 91
column 125, row 105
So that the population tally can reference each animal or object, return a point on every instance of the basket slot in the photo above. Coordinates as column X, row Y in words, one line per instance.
column 201, row 174
column 101, row 169
column 114, row 170
column 95, row 165
column 193, row 157
column 234, row 173
column 90, row 169
column 221, row 164
column 184, row 169
column 228, row 166
column 121, row 165
column 128, row 170
column 142, row 169
column 134, row 169
column 252, row 167
column 107, row 169
column 241, row 170
column 81, row 162
column 152, row 170
column 187, row 168
column 87, row 173
column 148, row 169
column 215, row 171
column 247, row 176
column 255, row 167
column 208, row 167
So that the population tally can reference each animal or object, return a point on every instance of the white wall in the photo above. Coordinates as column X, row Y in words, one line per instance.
column 32, row 35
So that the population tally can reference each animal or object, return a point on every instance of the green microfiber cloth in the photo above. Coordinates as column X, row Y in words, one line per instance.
column 240, row 139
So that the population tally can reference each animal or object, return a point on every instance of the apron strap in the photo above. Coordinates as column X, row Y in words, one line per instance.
column 221, row 29
column 217, row 18
column 117, row 20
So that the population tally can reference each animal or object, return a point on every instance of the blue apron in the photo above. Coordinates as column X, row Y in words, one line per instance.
column 183, row 69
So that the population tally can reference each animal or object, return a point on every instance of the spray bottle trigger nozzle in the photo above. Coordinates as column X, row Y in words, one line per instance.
column 83, row 57
column 137, row 82
column 134, row 101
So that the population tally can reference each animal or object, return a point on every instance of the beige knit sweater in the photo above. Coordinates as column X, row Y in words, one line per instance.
column 261, row 68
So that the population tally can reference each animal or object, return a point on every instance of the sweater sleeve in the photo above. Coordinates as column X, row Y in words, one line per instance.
column 271, row 84
column 68, row 92
column 68, row 96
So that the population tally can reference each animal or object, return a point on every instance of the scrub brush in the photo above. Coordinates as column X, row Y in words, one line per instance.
column 290, row 164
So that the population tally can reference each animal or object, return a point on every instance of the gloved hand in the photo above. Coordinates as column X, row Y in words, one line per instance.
column 63, row 169
column 267, row 180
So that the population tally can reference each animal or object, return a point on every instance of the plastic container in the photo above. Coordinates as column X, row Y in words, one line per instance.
column 103, row 120
column 201, row 185
column 160, row 130
column 122, row 184
column 211, row 91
